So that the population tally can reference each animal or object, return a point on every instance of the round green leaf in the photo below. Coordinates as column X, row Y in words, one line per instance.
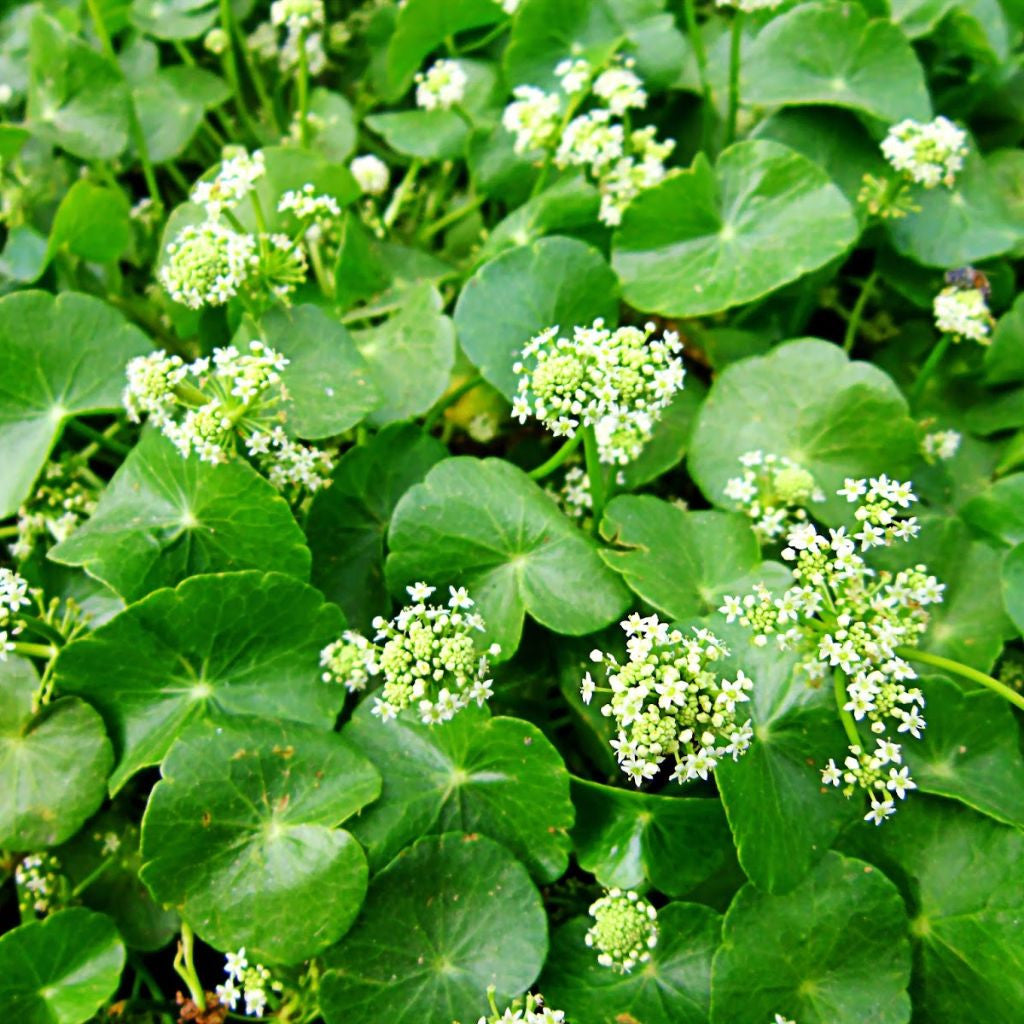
column 234, row 643
column 117, row 890
column 852, row 422
column 960, row 875
column 710, row 237
column 348, row 521
column 163, row 518
column 328, row 383
column 1013, row 585
column 59, row 357
column 498, row 776
column 61, row 970
column 336, row 139
column 832, row 951
column 974, row 220
column 1004, row 358
column 54, row 763
column 410, row 355
column 637, row 840
column 171, row 105
column 77, row 98
column 782, row 818
column 673, row 988
column 486, row 525
column 241, row 836
column 680, row 562
column 998, row 512
column 174, row 19
column 522, row 291
column 467, row 916
column 832, row 53
column 970, row 751
column 91, row 222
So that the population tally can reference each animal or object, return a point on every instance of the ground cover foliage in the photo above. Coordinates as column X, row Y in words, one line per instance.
column 512, row 511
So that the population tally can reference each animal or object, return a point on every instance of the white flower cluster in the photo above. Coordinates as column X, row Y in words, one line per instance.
column 667, row 701
column 252, row 984
column 39, row 882
column 941, row 445
column 441, row 86
column 625, row 930
column 303, row 22
column 963, row 313
column 13, row 597
column 371, row 174
column 621, row 163
column 845, row 616
column 232, row 398
column 299, row 15
column 772, row 490
column 533, row 1010
column 64, row 497
column 750, row 6
column 929, row 154
column 307, row 206
column 235, row 180
column 619, row 382
column 574, row 497
column 427, row 656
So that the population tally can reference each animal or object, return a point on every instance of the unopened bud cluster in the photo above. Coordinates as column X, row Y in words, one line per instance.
column 253, row 984
column 845, row 616
column 622, row 163
column 772, row 490
column 668, row 701
column 65, row 496
column 428, row 657
column 210, row 263
column 618, row 382
column 217, row 406
column 41, row 885
column 625, row 930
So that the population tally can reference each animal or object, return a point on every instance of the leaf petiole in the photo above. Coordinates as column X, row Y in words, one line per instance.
column 964, row 671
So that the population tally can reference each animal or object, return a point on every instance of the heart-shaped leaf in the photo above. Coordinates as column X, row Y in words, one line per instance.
column 853, row 422
column 61, row 970
column 54, row 763
column 674, row 987
column 241, row 835
column 834, row 950
column 163, row 518
column 468, row 916
column 519, row 293
column 59, row 357
column 486, row 525
column 234, row 643
column 709, row 238
column 498, row 776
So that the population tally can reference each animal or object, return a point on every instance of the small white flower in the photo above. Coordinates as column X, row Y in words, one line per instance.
column 235, row 964
column 930, row 154
column 371, row 174
column 441, row 86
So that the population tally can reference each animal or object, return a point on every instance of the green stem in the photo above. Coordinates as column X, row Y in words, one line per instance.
column 485, row 40
column 303, row 90
column 9, row 531
column 853, row 323
column 448, row 400
column 97, row 872
column 451, row 217
column 556, row 460
column 735, row 53
column 549, row 154
column 930, row 365
column 697, row 42
column 398, row 199
column 230, row 63
column 44, row 629
column 97, row 437
column 357, row 316
column 35, row 650
column 595, row 474
column 948, row 665
column 186, row 968
column 849, row 725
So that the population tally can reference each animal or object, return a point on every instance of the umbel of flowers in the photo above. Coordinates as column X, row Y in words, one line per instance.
column 224, row 404
column 850, row 619
column 210, row 263
column 961, row 308
column 530, row 1010
column 618, row 382
column 621, row 162
column 772, row 491
column 668, row 701
column 252, row 983
column 428, row 656
column 625, row 930
column 64, row 497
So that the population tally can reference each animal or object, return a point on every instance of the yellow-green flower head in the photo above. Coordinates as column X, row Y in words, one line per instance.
column 625, row 930
column 207, row 265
